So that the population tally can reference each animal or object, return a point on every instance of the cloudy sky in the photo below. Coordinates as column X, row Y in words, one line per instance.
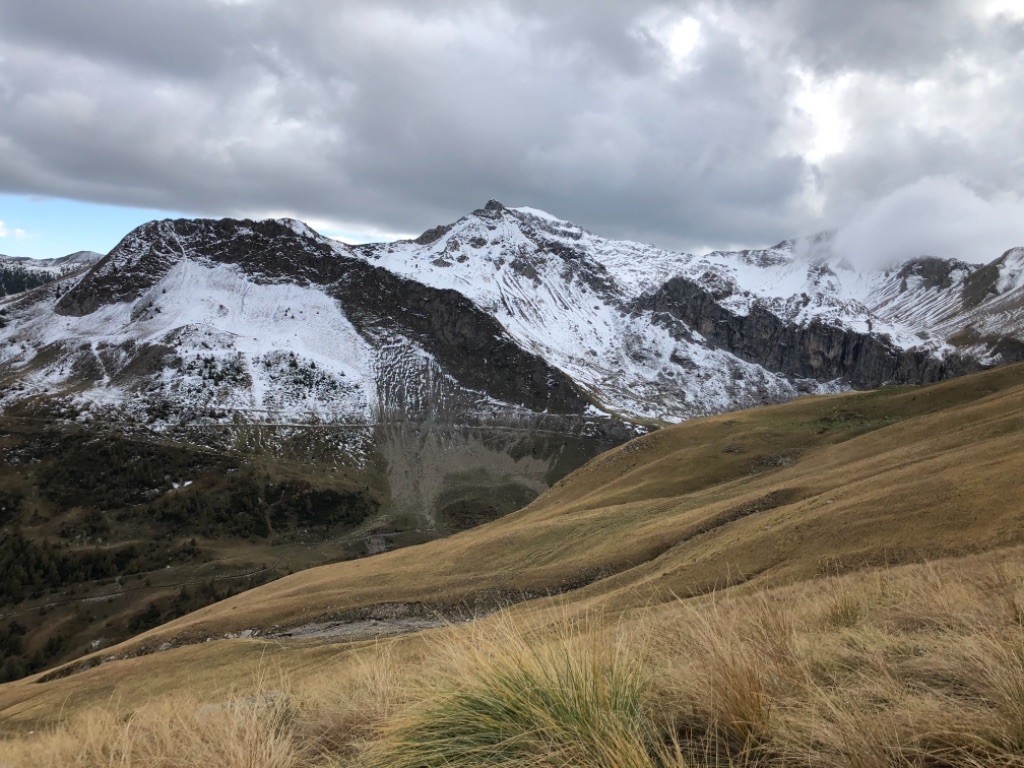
column 690, row 125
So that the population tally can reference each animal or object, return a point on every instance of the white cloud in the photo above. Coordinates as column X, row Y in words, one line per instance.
column 1010, row 8
column 678, row 36
column 17, row 233
column 933, row 217
column 683, row 37
column 820, row 100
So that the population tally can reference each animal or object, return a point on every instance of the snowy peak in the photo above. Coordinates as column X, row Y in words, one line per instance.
column 572, row 299
column 495, row 238
column 266, row 250
column 505, row 309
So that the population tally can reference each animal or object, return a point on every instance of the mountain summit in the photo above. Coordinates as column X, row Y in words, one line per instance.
column 505, row 310
column 509, row 346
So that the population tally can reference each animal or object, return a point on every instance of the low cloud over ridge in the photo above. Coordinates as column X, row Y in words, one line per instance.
column 932, row 217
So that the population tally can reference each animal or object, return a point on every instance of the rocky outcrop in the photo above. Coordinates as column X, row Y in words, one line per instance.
column 816, row 350
column 136, row 264
column 934, row 273
column 469, row 344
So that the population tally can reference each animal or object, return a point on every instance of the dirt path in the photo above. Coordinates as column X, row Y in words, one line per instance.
column 360, row 629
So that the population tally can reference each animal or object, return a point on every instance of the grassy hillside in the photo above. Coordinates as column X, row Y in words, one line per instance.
column 774, row 494
column 760, row 574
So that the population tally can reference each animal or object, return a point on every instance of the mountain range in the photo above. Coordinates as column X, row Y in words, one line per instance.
column 485, row 337
column 217, row 403
column 506, row 311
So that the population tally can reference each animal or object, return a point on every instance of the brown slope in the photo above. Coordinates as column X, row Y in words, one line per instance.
column 788, row 491
column 768, row 496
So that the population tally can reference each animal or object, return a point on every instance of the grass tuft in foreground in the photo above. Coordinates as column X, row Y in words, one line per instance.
column 570, row 701
column 915, row 667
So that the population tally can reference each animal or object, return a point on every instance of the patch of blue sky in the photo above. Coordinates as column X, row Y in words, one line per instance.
column 45, row 227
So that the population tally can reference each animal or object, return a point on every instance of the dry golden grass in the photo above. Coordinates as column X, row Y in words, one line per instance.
column 246, row 733
column 927, row 670
column 831, row 582
column 343, row 712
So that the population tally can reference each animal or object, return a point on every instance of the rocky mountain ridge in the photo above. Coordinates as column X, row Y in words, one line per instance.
column 510, row 332
column 506, row 309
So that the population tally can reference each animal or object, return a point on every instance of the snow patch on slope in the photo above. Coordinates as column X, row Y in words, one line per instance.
column 290, row 346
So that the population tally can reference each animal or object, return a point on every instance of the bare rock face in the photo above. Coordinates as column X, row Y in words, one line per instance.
column 815, row 350
column 933, row 273
column 466, row 342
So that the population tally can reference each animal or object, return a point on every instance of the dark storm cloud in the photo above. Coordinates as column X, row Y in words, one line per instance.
column 190, row 38
column 395, row 116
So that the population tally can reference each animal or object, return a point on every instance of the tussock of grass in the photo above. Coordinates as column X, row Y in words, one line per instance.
column 720, row 675
column 926, row 671
column 993, row 663
column 571, row 701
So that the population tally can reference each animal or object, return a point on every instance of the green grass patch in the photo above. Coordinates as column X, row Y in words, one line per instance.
column 567, row 703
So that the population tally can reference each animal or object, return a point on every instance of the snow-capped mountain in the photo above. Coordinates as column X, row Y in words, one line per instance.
column 508, row 312
column 465, row 371
column 653, row 334
column 267, row 321
column 576, row 301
